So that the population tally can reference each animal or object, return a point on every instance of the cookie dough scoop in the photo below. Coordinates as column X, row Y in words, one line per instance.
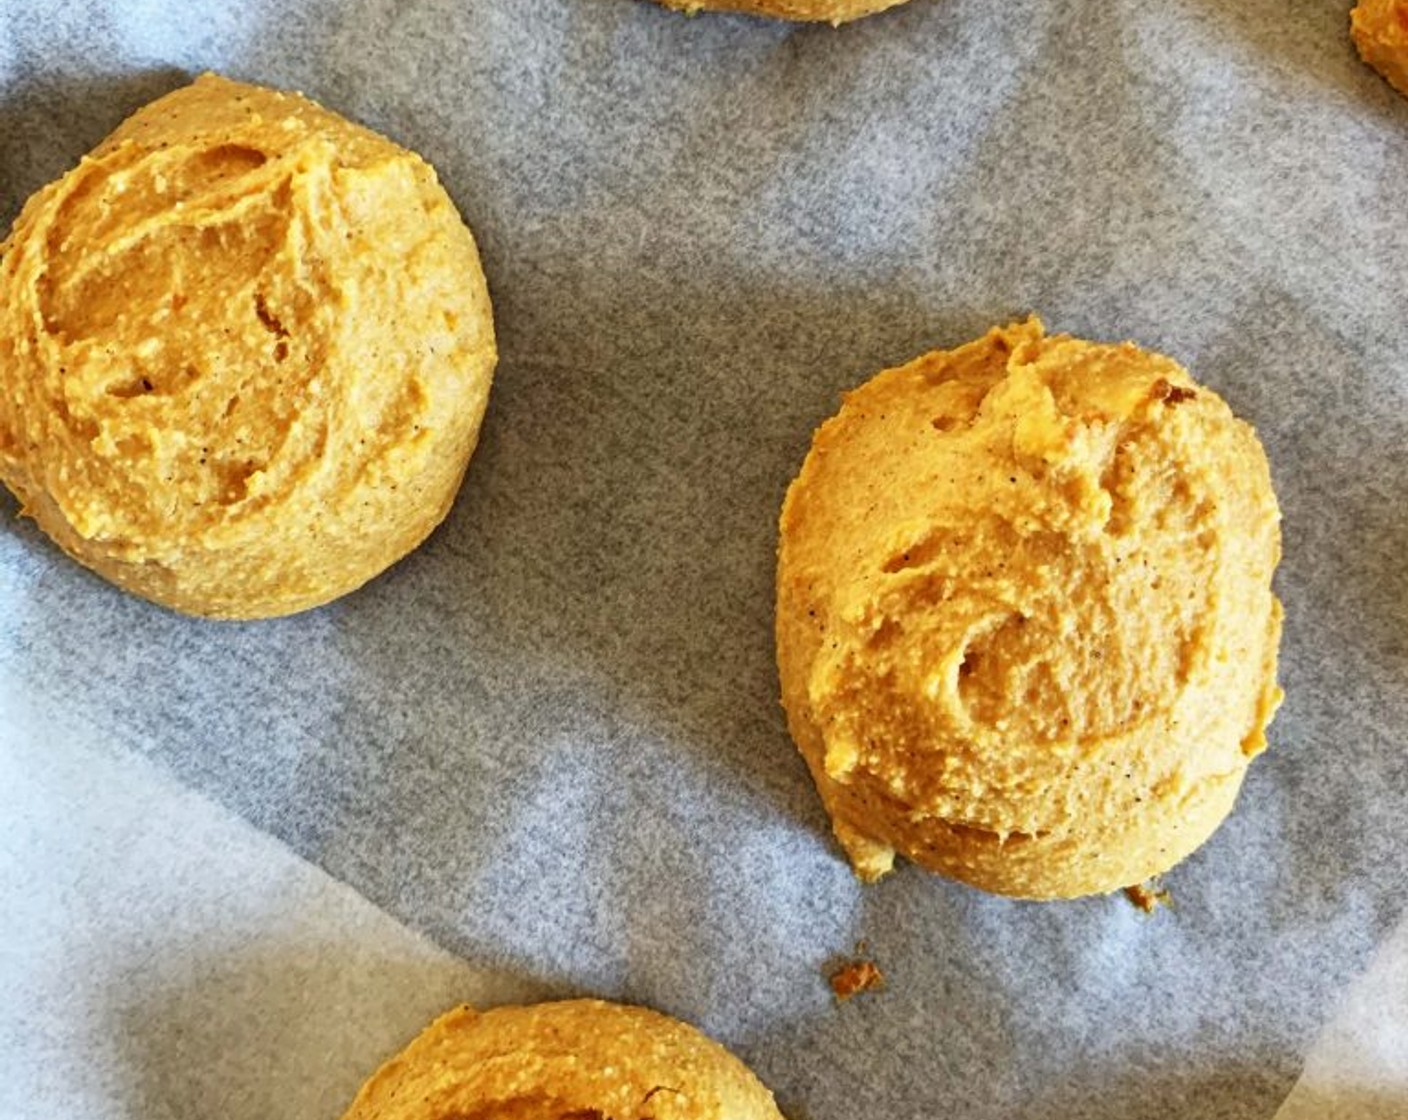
column 246, row 348
column 1025, row 626
column 562, row 1061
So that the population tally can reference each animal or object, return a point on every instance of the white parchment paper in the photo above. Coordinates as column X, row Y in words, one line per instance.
column 549, row 742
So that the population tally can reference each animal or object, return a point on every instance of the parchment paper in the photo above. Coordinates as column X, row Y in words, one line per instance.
column 549, row 742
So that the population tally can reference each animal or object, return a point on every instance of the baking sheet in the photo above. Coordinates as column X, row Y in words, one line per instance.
column 549, row 741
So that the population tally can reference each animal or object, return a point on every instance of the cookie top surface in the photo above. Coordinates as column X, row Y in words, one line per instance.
column 811, row 11
column 568, row 1060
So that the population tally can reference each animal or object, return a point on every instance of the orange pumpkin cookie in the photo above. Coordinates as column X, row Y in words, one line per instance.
column 246, row 346
column 555, row 1061
column 1025, row 626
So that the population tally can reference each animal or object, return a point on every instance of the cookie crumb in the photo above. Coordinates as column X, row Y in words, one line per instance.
column 854, row 977
column 1148, row 896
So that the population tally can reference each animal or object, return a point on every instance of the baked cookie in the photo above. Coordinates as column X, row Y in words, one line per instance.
column 1380, row 32
column 562, row 1061
column 816, row 11
column 1025, row 627
column 247, row 346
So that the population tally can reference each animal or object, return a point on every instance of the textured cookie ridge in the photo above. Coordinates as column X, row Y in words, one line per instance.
column 567, row 1060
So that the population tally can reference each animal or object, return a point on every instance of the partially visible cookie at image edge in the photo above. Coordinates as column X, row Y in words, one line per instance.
column 1379, row 29
column 813, row 11
column 551, row 1061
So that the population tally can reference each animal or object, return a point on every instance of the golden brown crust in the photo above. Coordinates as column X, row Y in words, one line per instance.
column 572, row 1060
column 249, row 344
column 815, row 11
column 1380, row 32
column 1025, row 629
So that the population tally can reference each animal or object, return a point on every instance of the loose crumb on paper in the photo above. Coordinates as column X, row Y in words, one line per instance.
column 1149, row 896
column 856, row 976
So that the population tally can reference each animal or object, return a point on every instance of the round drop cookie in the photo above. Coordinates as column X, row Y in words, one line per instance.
column 816, row 11
column 1380, row 32
column 247, row 346
column 1025, row 626
column 554, row 1061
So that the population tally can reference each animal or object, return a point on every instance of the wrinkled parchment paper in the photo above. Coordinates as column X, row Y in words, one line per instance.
column 239, row 864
